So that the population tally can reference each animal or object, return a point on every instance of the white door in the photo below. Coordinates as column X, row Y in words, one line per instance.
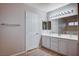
column 32, row 30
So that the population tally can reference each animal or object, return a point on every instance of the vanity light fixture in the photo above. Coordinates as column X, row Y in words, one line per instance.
column 69, row 11
column 62, row 13
column 65, row 12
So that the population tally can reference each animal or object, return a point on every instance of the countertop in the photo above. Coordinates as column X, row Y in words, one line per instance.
column 65, row 36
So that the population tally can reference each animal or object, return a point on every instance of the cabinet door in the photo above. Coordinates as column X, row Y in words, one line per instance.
column 46, row 41
column 63, row 46
column 54, row 24
column 54, row 44
column 72, row 47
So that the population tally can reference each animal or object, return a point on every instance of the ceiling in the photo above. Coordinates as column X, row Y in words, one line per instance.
column 46, row 7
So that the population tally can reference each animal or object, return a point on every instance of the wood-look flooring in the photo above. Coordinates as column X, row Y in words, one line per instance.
column 40, row 52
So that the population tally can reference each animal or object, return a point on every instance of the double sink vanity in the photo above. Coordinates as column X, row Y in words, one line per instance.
column 61, row 43
column 63, row 25
column 63, row 36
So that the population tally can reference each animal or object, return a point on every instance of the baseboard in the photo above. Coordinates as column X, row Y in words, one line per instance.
column 16, row 54
column 53, row 51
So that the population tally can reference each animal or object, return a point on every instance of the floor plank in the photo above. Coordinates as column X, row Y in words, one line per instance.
column 42, row 52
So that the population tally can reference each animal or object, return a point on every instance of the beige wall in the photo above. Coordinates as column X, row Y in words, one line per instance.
column 12, row 38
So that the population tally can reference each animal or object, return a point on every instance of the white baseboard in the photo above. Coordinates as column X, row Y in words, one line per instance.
column 16, row 54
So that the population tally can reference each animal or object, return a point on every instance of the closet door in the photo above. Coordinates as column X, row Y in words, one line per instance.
column 32, row 30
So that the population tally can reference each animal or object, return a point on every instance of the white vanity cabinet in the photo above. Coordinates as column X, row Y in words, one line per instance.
column 63, row 46
column 68, row 47
column 54, row 44
column 72, row 47
column 46, row 41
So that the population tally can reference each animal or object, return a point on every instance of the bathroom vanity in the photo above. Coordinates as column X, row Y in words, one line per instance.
column 63, row 36
column 64, row 44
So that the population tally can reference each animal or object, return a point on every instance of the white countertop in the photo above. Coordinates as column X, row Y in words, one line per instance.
column 65, row 36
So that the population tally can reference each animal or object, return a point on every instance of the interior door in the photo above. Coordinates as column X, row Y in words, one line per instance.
column 32, row 30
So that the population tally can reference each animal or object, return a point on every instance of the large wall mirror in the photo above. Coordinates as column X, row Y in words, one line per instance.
column 71, row 24
column 46, row 25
